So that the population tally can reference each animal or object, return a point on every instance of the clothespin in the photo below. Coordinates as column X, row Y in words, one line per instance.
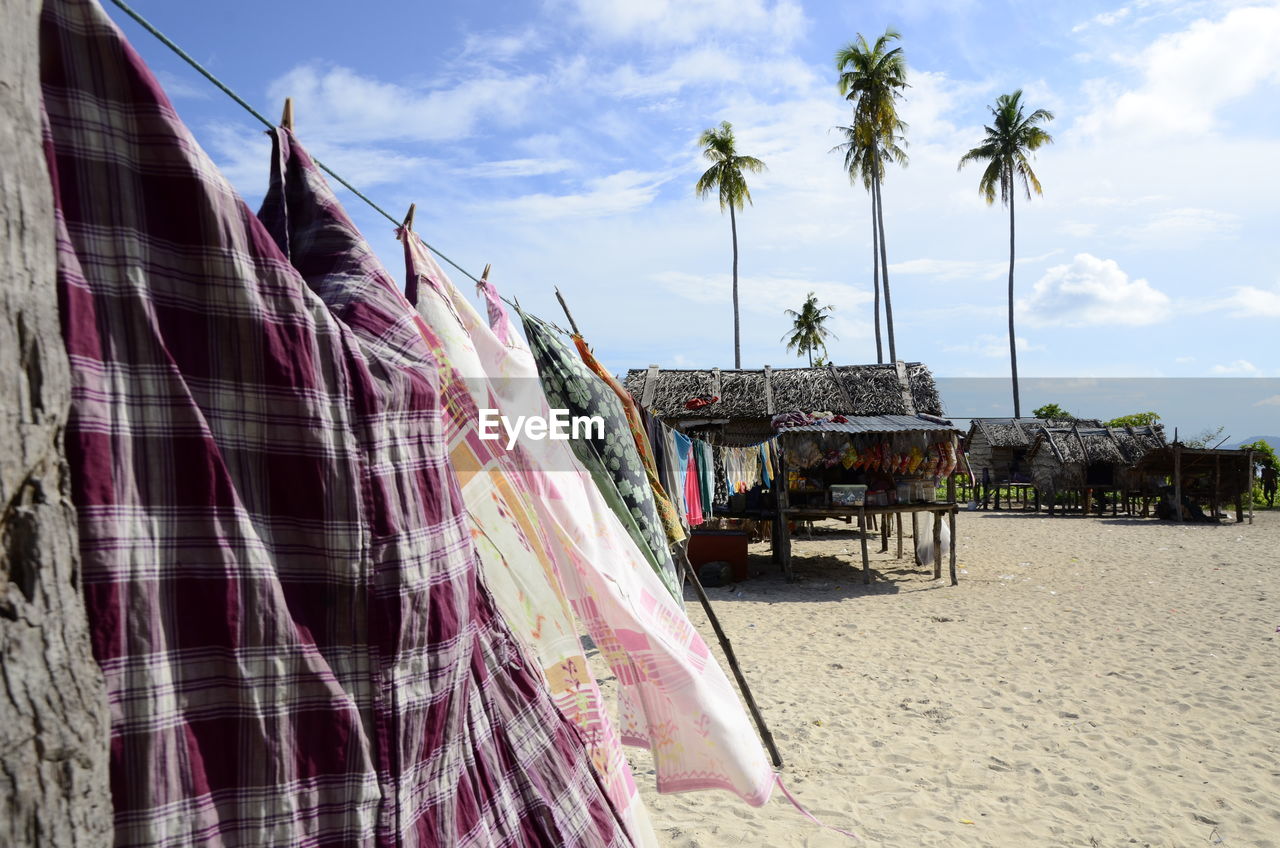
column 286, row 119
column 408, row 218
column 567, row 313
column 484, row 277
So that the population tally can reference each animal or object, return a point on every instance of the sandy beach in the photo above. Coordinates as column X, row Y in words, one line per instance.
column 1090, row 682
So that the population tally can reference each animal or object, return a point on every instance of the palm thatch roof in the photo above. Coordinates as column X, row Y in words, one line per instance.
column 1019, row 432
column 759, row 394
column 1077, row 443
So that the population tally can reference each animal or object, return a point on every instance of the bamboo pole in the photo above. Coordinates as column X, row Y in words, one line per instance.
column 951, row 517
column 1177, row 480
column 765, row 736
column 937, row 546
column 862, row 535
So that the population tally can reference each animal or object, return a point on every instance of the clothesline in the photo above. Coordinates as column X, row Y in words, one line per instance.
column 225, row 89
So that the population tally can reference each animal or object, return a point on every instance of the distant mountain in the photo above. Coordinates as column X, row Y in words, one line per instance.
column 1274, row 441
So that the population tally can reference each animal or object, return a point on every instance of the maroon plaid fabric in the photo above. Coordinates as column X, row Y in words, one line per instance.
column 281, row 588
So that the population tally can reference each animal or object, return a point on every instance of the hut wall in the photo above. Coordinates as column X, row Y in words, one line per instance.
column 1051, row 476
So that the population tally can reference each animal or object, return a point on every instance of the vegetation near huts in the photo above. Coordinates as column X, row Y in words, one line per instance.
column 808, row 333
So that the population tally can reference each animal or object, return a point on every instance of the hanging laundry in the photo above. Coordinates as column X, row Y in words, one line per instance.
column 766, row 463
column 675, row 699
column 705, row 457
column 741, row 468
column 519, row 560
column 282, row 591
column 611, row 458
column 666, row 512
column 693, row 491
column 301, row 212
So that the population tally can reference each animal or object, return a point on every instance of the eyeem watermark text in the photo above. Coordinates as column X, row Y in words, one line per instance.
column 560, row 425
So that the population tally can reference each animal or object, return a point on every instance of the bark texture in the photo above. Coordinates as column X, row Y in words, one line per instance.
column 54, row 729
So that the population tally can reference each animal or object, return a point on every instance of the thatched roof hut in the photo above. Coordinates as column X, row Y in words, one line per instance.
column 1214, row 475
column 1076, row 456
column 742, row 403
column 999, row 446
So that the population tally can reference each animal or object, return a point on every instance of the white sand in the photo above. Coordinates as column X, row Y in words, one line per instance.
column 1107, row 682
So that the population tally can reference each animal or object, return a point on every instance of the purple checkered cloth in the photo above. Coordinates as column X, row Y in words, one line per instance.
column 282, row 591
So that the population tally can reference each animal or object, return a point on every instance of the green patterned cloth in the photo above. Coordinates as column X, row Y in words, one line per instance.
column 613, row 461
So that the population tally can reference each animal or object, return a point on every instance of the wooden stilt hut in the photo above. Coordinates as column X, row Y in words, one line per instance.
column 1201, row 476
column 1089, row 464
column 997, row 451
column 738, row 408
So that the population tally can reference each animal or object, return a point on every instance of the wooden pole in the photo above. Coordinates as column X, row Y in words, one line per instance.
column 951, row 517
column 862, row 535
column 1177, row 480
column 915, row 536
column 1250, row 489
column 899, row 529
column 765, row 736
column 1217, row 485
column 884, row 533
column 937, row 546
column 783, row 501
column 567, row 314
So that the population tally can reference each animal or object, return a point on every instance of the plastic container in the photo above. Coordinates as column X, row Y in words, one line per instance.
column 906, row 492
column 848, row 495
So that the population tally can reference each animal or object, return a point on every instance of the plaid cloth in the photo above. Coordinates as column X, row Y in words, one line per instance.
column 611, row 458
column 519, row 559
column 281, row 587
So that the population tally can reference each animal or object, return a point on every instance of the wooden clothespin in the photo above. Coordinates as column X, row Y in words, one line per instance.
column 286, row 119
column 408, row 218
column 567, row 313
column 484, row 277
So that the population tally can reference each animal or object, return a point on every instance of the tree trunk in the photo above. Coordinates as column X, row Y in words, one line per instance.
column 1013, row 342
column 884, row 270
column 737, row 337
column 875, row 273
column 54, row 726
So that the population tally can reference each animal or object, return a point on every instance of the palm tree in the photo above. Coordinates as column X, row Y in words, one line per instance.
column 872, row 77
column 725, row 177
column 808, row 331
column 1011, row 136
column 861, row 160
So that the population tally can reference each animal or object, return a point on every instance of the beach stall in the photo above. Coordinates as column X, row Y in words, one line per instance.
column 997, row 453
column 851, row 442
column 1076, row 464
column 1196, row 477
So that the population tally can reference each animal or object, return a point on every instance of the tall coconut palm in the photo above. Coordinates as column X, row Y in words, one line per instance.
column 862, row 158
column 872, row 77
column 725, row 178
column 1010, row 137
column 808, row 328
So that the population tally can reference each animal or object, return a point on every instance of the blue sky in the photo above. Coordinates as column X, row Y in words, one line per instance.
column 557, row 140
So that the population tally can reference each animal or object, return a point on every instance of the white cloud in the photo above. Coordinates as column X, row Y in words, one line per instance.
column 765, row 294
column 1184, row 227
column 1241, row 367
column 615, row 194
column 1274, row 400
column 962, row 269
column 1252, row 302
column 518, row 168
column 689, row 21
column 1092, row 291
column 337, row 104
column 1188, row 75
column 993, row 346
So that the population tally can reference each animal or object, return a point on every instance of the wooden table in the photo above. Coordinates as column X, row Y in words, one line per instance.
column 810, row 513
